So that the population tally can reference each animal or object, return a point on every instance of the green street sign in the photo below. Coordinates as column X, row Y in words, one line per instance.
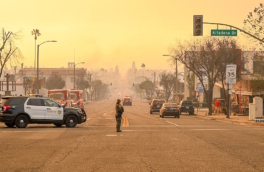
column 223, row 32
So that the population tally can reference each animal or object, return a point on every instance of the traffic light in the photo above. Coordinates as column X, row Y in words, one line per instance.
column 198, row 25
column 133, row 84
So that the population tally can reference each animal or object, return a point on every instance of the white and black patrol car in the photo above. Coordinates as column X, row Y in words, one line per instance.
column 21, row 111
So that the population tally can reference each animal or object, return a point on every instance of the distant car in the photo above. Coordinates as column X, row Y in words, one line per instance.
column 127, row 101
column 170, row 109
column 186, row 106
column 156, row 104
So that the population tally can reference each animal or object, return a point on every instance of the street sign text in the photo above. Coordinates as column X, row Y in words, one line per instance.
column 215, row 32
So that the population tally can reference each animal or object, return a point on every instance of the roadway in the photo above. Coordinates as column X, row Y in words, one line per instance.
column 146, row 143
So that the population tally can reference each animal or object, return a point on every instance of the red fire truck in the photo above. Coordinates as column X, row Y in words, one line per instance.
column 76, row 98
column 61, row 96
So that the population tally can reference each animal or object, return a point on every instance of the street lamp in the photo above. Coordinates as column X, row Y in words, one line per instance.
column 38, row 62
column 74, row 72
column 176, row 74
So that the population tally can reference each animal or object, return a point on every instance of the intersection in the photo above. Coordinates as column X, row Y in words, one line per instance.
column 146, row 143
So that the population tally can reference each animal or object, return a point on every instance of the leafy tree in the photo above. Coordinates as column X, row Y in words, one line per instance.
column 82, row 83
column 55, row 82
column 206, row 56
column 137, row 89
column 146, row 85
column 9, row 52
column 167, row 81
column 255, row 24
column 96, row 85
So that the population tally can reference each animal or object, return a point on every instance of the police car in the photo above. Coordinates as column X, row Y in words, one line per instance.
column 20, row 111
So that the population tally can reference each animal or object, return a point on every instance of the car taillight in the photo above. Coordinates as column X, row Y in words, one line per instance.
column 165, row 108
column 152, row 105
column 5, row 108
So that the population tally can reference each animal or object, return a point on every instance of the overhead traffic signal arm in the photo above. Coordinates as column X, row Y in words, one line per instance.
column 241, row 30
column 198, row 27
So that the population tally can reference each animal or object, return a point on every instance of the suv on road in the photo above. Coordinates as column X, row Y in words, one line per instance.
column 21, row 111
column 187, row 106
column 127, row 101
column 156, row 104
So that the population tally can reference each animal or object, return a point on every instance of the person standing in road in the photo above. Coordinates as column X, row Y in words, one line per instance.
column 119, row 111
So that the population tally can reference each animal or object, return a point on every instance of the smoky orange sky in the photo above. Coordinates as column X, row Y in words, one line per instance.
column 106, row 33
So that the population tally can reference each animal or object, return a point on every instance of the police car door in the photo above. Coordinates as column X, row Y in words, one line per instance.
column 35, row 108
column 53, row 110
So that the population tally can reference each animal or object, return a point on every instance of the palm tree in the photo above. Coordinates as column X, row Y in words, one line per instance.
column 143, row 66
column 36, row 33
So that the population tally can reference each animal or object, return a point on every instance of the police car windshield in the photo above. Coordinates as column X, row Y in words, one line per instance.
column 57, row 96
column 73, row 96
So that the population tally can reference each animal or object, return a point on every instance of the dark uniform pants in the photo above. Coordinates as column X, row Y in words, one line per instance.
column 118, row 124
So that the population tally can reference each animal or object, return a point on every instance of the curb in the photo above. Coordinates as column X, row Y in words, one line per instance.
column 233, row 122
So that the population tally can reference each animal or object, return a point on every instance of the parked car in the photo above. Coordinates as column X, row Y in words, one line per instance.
column 170, row 109
column 21, row 111
column 156, row 104
column 187, row 106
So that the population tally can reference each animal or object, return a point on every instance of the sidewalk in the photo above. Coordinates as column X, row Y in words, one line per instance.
column 242, row 120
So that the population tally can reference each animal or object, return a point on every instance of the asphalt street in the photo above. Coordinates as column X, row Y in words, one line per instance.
column 146, row 143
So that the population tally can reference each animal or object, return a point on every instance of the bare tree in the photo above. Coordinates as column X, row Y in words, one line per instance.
column 255, row 24
column 230, row 54
column 204, row 57
column 9, row 52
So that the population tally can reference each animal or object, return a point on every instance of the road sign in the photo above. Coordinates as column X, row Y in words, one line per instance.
column 231, row 74
column 199, row 87
column 215, row 32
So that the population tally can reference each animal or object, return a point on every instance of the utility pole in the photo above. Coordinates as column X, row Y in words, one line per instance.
column 154, row 90
column 91, row 87
column 176, row 91
column 74, row 71
column 7, row 92
column 37, row 67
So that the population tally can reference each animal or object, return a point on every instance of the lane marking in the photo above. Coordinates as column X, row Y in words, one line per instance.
column 125, row 122
column 172, row 123
column 111, row 135
column 106, row 114
column 206, row 129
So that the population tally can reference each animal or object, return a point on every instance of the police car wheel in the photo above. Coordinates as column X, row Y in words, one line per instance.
column 21, row 121
column 58, row 125
column 10, row 125
column 71, row 121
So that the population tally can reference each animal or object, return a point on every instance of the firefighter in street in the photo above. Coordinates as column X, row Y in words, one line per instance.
column 119, row 111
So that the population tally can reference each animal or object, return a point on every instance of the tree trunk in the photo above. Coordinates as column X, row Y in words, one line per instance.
column 210, row 92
